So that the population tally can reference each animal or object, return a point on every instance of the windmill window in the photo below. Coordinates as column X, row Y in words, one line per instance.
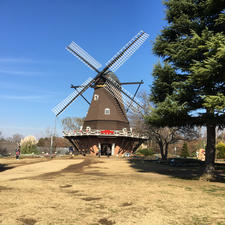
column 107, row 111
column 96, row 97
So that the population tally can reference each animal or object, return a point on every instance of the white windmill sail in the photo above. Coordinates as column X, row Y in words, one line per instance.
column 82, row 55
column 70, row 98
column 127, row 51
column 122, row 95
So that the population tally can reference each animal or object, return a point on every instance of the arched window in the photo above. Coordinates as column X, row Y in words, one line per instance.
column 96, row 97
column 107, row 111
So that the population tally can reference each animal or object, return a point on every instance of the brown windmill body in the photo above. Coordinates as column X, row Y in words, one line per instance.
column 105, row 111
column 106, row 128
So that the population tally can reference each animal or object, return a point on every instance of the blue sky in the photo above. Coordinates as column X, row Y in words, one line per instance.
column 35, row 69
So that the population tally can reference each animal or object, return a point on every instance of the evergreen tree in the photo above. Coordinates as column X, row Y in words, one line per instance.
column 189, row 86
column 184, row 151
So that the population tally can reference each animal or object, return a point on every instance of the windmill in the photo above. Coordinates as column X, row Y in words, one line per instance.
column 106, row 117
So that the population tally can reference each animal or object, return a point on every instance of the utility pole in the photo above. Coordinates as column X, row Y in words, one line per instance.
column 52, row 138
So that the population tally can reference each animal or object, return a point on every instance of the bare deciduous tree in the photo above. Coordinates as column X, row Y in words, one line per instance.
column 16, row 138
column 162, row 136
column 1, row 137
column 72, row 123
column 165, row 136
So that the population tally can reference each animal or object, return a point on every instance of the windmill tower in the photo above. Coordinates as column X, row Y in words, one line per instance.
column 105, row 111
column 106, row 125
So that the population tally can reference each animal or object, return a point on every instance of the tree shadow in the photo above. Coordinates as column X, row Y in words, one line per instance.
column 189, row 169
column 4, row 167
column 219, row 172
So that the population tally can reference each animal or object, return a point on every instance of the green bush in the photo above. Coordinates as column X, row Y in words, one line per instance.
column 184, row 151
column 29, row 149
column 145, row 152
column 29, row 145
column 220, row 147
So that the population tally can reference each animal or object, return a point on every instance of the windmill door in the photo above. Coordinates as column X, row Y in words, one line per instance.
column 106, row 149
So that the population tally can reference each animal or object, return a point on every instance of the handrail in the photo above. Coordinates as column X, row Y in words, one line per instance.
column 114, row 133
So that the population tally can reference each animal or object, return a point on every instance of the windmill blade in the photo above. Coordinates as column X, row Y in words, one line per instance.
column 82, row 55
column 121, row 98
column 69, row 99
column 139, row 85
column 75, row 87
column 128, row 83
column 127, row 51
column 124, row 92
column 122, row 95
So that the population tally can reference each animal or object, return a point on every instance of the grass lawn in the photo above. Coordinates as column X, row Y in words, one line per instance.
column 107, row 191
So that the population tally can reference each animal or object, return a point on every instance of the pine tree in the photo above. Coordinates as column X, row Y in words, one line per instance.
column 184, row 151
column 189, row 86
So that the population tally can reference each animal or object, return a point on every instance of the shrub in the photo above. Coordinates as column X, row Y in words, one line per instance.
column 145, row 152
column 220, row 147
column 29, row 145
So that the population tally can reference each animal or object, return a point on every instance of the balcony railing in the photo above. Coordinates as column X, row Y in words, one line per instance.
column 108, row 133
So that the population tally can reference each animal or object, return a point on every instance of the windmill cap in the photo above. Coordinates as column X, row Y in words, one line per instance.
column 110, row 74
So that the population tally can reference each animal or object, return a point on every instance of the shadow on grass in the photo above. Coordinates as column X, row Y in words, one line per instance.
column 189, row 169
column 4, row 167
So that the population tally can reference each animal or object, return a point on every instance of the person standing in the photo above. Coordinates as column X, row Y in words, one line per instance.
column 71, row 150
column 108, row 151
column 99, row 152
column 18, row 153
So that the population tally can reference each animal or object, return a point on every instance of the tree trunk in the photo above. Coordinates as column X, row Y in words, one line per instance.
column 166, row 151
column 210, row 149
column 162, row 151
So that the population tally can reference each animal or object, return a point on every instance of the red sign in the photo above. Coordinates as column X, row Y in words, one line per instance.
column 107, row 132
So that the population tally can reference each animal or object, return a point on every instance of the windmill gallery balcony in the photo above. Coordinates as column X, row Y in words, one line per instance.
column 107, row 133
column 91, row 141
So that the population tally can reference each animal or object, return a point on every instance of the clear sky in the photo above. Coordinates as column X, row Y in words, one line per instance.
column 35, row 69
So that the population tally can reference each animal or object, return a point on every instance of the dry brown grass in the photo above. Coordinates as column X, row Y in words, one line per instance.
column 93, row 191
